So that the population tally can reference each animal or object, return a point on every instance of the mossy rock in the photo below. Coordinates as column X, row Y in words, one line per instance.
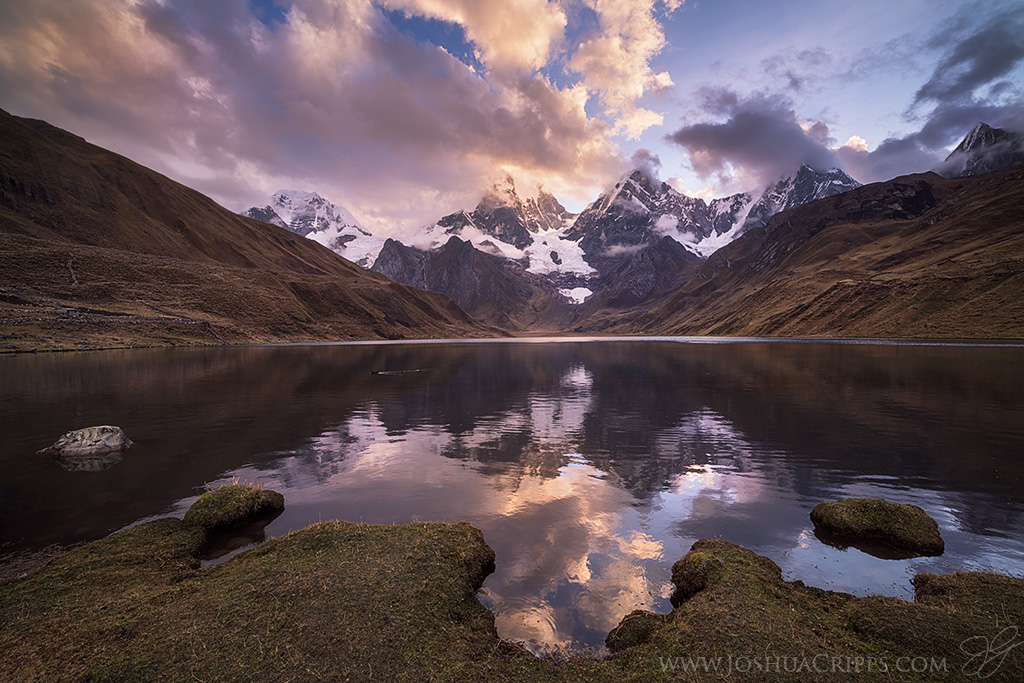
column 344, row 601
column 692, row 574
column 902, row 527
column 232, row 505
column 636, row 628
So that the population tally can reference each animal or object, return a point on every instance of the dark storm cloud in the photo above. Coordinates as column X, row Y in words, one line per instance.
column 975, row 78
column 980, row 56
column 762, row 136
column 893, row 157
column 969, row 85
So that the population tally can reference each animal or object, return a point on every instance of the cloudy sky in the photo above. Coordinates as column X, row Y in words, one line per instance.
column 404, row 110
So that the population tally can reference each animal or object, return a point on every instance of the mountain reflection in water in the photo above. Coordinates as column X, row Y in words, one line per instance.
column 590, row 466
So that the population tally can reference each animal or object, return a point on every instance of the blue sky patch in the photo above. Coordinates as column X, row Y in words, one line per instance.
column 270, row 12
column 436, row 32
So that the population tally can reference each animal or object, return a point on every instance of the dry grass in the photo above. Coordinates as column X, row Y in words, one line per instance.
column 97, row 252
column 917, row 257
column 342, row 601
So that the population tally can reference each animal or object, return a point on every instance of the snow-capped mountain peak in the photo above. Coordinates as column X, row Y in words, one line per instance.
column 502, row 221
column 307, row 212
column 634, row 191
column 311, row 215
column 502, row 193
column 805, row 185
column 984, row 150
column 979, row 134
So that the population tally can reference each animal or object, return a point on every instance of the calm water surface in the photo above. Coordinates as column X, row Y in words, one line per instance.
column 591, row 466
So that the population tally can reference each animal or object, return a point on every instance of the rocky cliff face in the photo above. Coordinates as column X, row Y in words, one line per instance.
column 490, row 288
column 503, row 215
column 984, row 150
column 639, row 210
column 646, row 276
column 402, row 264
column 626, row 248
column 806, row 185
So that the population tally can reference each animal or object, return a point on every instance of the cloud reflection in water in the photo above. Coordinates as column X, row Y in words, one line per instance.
column 592, row 474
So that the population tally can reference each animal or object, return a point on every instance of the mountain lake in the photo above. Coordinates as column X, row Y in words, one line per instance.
column 591, row 465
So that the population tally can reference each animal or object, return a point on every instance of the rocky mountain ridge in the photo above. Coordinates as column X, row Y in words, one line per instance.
column 611, row 254
column 487, row 286
column 310, row 215
column 506, row 217
column 614, row 253
column 918, row 256
column 625, row 252
column 984, row 150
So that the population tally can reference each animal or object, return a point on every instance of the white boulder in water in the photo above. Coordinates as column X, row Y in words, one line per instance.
column 90, row 441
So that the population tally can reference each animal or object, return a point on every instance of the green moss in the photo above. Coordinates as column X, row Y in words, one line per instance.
column 636, row 628
column 343, row 601
column 334, row 601
column 748, row 613
column 693, row 574
column 902, row 527
column 232, row 505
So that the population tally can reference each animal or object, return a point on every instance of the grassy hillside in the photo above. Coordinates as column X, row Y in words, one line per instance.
column 98, row 251
column 917, row 256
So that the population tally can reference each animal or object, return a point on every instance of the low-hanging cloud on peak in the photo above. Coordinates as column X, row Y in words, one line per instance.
column 647, row 162
column 762, row 138
column 968, row 85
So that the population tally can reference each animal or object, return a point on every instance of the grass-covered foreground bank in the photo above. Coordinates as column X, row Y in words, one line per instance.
column 339, row 601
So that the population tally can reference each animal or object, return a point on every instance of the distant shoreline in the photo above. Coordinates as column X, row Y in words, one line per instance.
column 557, row 339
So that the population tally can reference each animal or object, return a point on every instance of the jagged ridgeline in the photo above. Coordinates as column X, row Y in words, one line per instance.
column 528, row 264
column 99, row 251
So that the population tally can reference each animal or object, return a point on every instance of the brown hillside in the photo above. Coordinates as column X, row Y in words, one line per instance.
column 917, row 256
column 98, row 251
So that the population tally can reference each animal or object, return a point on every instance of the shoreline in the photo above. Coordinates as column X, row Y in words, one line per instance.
column 342, row 600
column 555, row 338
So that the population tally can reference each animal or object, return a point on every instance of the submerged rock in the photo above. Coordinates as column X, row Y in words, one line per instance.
column 902, row 527
column 89, row 442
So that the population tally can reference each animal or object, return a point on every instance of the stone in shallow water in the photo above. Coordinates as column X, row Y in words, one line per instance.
column 902, row 527
column 89, row 442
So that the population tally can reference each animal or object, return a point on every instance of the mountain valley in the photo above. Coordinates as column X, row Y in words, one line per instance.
column 644, row 258
column 557, row 268
column 98, row 251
